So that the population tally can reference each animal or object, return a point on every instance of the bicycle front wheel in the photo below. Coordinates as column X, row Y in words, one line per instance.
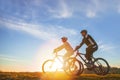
column 74, row 67
column 48, row 66
column 101, row 66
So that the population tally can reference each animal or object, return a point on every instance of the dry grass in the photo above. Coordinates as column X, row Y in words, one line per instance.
column 54, row 76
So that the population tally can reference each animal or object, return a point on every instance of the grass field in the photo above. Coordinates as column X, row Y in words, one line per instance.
column 54, row 76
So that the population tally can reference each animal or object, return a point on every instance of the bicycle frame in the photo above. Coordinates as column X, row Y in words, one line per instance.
column 94, row 65
column 58, row 58
column 79, row 54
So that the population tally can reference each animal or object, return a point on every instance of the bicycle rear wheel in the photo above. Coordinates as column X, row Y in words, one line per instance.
column 101, row 66
column 74, row 67
column 48, row 66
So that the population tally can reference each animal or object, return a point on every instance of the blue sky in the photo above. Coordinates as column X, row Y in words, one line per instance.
column 31, row 29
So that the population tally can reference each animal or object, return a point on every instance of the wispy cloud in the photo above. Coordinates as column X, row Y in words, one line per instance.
column 61, row 11
column 95, row 8
column 98, row 7
column 90, row 9
column 8, row 58
column 90, row 13
column 10, row 63
column 63, row 8
column 106, row 47
column 118, row 8
column 38, row 30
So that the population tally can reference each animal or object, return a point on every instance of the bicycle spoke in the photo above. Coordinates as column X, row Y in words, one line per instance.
column 101, row 66
column 48, row 66
column 75, row 67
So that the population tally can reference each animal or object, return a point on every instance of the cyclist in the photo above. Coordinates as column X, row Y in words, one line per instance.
column 66, row 46
column 91, row 45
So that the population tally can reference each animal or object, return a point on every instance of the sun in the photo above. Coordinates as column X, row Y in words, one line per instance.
column 53, row 66
column 45, row 52
column 58, row 64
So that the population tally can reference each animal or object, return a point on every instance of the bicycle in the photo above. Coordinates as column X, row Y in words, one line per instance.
column 48, row 65
column 99, row 65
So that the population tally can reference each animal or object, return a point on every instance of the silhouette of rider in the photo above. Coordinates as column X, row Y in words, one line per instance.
column 66, row 46
column 91, row 44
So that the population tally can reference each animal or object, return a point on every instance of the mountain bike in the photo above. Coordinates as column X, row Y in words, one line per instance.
column 51, row 66
column 99, row 65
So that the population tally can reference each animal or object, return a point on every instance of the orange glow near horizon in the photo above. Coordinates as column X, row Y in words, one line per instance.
column 56, row 66
column 42, row 54
column 45, row 52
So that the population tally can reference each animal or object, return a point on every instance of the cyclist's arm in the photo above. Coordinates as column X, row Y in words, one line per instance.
column 77, row 47
column 59, row 48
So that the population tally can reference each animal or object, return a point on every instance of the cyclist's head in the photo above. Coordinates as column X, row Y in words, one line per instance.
column 83, row 32
column 64, row 39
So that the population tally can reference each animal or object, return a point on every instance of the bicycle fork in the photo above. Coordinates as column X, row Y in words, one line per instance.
column 51, row 64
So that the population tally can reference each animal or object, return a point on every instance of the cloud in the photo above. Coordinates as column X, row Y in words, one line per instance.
column 61, row 11
column 106, row 47
column 41, row 31
column 98, row 7
column 90, row 9
column 118, row 8
column 69, row 8
column 95, row 8
column 9, row 63
column 9, row 58
column 90, row 14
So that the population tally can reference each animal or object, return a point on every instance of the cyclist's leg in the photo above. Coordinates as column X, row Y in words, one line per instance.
column 94, row 49
column 66, row 56
column 88, row 54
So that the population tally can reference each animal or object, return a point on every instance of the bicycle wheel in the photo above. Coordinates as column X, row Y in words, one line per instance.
column 101, row 66
column 74, row 67
column 48, row 66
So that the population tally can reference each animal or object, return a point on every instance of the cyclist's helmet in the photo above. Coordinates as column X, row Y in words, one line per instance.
column 84, row 31
column 64, row 39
